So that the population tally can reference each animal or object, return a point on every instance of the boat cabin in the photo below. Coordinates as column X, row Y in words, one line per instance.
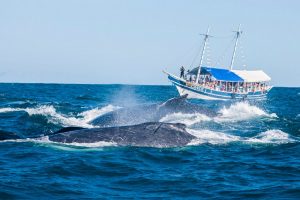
column 225, row 80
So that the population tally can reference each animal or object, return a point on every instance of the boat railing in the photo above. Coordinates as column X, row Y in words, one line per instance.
column 230, row 89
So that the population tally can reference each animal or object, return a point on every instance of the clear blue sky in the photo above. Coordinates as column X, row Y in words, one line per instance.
column 131, row 42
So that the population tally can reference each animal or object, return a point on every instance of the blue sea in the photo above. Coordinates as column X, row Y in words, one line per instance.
column 251, row 150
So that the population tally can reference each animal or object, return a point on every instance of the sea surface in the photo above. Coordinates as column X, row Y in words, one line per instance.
column 251, row 150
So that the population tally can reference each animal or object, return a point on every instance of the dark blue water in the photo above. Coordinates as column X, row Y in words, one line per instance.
column 252, row 150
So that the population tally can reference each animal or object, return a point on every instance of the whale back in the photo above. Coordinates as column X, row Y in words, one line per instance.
column 151, row 134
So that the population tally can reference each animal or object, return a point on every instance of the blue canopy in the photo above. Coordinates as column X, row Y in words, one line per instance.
column 219, row 74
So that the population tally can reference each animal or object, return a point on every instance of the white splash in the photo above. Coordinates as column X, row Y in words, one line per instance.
column 82, row 119
column 91, row 145
column 211, row 137
column 45, row 140
column 5, row 110
column 236, row 112
column 271, row 136
column 187, row 119
column 89, row 115
column 241, row 111
column 268, row 137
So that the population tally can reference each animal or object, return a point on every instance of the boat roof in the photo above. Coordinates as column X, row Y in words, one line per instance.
column 252, row 76
column 233, row 75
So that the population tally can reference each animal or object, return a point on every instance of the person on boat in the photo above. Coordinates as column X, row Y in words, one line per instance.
column 182, row 72
column 185, row 76
column 215, row 85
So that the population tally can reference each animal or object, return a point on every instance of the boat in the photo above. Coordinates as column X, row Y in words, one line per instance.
column 213, row 83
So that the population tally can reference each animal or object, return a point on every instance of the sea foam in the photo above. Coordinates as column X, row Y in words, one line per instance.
column 187, row 119
column 211, row 137
column 82, row 119
column 240, row 111
column 44, row 141
column 274, row 136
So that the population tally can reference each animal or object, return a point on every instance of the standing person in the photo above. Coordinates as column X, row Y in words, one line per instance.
column 185, row 76
column 182, row 72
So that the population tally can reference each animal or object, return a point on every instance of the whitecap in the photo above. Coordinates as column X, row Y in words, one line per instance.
column 45, row 140
column 236, row 112
column 241, row 111
column 89, row 115
column 5, row 110
column 211, row 137
column 187, row 119
column 274, row 136
column 82, row 119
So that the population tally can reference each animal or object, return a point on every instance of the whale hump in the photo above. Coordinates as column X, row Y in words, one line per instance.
column 150, row 134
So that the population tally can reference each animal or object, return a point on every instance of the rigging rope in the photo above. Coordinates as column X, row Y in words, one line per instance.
column 186, row 54
column 243, row 57
column 222, row 37
column 207, row 54
column 224, row 52
column 199, row 50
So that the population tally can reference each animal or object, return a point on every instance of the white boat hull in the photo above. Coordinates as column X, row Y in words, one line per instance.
column 194, row 95
column 209, row 94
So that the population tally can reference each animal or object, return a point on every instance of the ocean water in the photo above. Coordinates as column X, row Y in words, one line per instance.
column 250, row 151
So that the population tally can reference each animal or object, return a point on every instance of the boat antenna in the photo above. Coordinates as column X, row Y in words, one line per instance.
column 238, row 34
column 202, row 54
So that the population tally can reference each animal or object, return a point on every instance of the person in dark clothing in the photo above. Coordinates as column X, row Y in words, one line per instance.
column 187, row 72
column 182, row 72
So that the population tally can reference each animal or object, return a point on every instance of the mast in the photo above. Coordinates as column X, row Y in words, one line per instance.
column 238, row 33
column 202, row 54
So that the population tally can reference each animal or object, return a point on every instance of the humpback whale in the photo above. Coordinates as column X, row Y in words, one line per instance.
column 150, row 113
column 150, row 134
column 132, row 126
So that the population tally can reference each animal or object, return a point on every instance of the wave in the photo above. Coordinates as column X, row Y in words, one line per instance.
column 211, row 137
column 274, row 136
column 236, row 112
column 45, row 141
column 89, row 115
column 82, row 119
column 242, row 111
column 187, row 119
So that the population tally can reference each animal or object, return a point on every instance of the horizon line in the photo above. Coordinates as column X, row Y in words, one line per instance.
column 128, row 84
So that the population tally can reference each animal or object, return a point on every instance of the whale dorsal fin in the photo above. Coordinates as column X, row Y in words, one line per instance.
column 175, row 100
